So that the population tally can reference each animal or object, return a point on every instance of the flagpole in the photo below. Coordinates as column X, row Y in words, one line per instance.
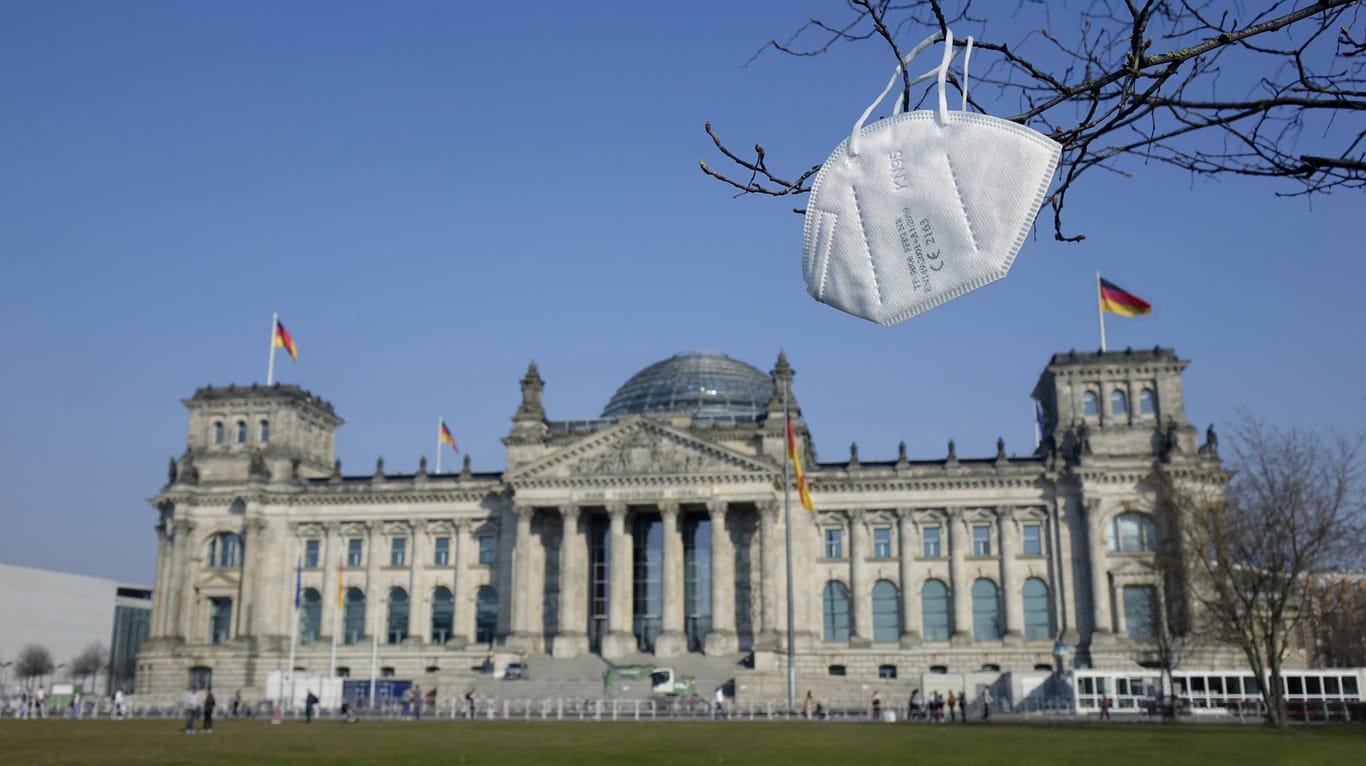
column 787, row 524
column 270, row 368
column 439, row 422
column 1100, row 311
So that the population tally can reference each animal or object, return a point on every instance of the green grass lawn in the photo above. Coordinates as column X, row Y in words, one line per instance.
column 254, row 743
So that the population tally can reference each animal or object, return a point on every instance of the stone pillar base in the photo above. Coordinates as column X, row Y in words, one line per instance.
column 569, row 645
column 618, row 644
column 960, row 639
column 910, row 640
column 671, row 643
column 720, row 643
column 523, row 642
column 859, row 642
column 1013, row 638
column 768, row 641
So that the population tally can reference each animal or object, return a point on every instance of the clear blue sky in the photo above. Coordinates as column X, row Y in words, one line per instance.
column 434, row 194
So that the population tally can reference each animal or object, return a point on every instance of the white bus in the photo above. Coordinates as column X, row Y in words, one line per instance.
column 1313, row 694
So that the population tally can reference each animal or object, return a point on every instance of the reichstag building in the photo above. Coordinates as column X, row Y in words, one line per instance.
column 655, row 533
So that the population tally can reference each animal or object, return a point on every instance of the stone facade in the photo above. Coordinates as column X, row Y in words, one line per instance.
column 664, row 533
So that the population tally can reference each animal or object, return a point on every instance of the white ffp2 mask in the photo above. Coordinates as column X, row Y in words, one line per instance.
column 922, row 207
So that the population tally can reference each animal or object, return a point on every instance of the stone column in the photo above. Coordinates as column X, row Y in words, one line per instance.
column 1012, row 604
column 375, row 597
column 161, row 584
column 1100, row 578
column 251, row 614
column 910, row 611
column 960, row 544
column 671, row 641
column 620, row 639
column 522, row 594
column 333, row 551
column 419, row 589
column 721, row 640
column 772, row 577
column 183, row 568
column 572, row 639
column 860, row 592
column 463, row 605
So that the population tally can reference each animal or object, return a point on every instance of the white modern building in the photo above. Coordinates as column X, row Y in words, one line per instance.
column 65, row 614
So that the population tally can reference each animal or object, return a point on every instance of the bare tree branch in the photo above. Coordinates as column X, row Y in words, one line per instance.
column 1100, row 88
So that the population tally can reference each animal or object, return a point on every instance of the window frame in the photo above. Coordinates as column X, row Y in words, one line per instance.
column 932, row 542
column 981, row 539
column 1032, row 547
column 833, row 546
column 441, row 551
column 355, row 551
column 312, row 552
column 1119, row 402
column 882, row 549
column 398, row 551
column 488, row 550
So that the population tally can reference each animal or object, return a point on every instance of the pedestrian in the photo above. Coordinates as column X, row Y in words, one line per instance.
column 962, row 706
column 209, row 705
column 953, row 702
column 23, row 703
column 191, row 709
column 469, row 704
column 877, row 706
column 417, row 703
column 913, row 707
column 1104, row 707
column 808, row 706
column 986, row 705
column 236, row 708
column 309, row 702
column 41, row 703
column 720, row 712
column 120, row 704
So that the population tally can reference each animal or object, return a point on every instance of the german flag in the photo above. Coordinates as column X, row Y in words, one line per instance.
column 446, row 438
column 1117, row 300
column 797, row 467
column 284, row 341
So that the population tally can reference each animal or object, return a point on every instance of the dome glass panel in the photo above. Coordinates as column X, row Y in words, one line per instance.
column 704, row 383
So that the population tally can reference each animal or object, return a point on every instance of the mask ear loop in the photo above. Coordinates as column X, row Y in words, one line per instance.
column 940, row 70
column 967, row 56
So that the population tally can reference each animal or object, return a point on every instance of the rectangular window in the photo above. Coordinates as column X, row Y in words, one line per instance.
column 981, row 541
column 312, row 550
column 220, row 620
column 1033, row 540
column 882, row 542
column 398, row 551
column 354, row 547
column 931, row 542
column 834, row 543
column 443, row 551
column 486, row 554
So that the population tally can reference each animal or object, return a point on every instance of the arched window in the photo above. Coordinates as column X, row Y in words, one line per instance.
column 1119, row 403
column 1140, row 610
column 265, row 431
column 310, row 616
column 218, row 432
column 1133, row 533
column 886, row 612
column 1090, row 404
column 836, row 609
column 1147, row 402
column 934, row 611
column 225, row 550
column 1038, row 623
column 354, row 617
column 241, row 432
column 443, row 615
column 485, row 615
column 398, row 616
column 986, row 611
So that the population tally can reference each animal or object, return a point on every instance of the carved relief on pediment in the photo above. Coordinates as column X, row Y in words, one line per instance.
column 644, row 451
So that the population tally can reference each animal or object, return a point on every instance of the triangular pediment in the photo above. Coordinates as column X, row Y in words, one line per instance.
column 640, row 448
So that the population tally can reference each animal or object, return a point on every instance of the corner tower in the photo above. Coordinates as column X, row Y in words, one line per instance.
column 239, row 433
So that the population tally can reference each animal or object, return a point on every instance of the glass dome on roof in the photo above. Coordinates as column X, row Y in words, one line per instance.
column 706, row 383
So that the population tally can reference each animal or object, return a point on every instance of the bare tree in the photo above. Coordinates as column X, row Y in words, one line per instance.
column 90, row 661
column 34, row 661
column 1209, row 86
column 1292, row 509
